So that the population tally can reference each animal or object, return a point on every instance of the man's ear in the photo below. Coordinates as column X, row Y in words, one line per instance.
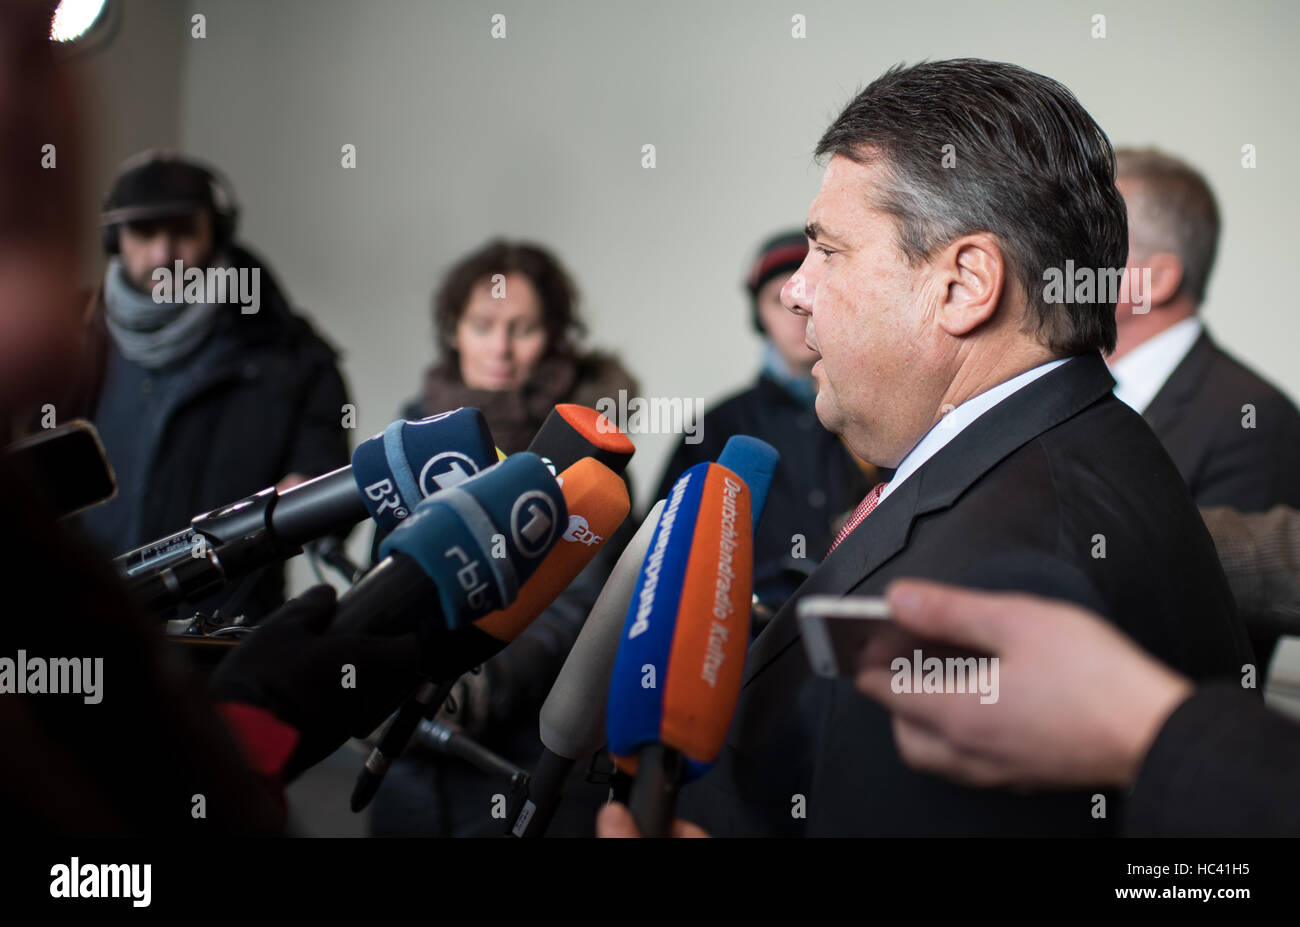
column 1166, row 277
column 973, row 273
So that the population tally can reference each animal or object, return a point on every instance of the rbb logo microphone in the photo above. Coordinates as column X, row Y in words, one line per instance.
column 679, row 666
column 448, row 449
column 456, row 558
column 593, row 493
column 590, row 488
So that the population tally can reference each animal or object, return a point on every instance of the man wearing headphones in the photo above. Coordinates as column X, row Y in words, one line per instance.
column 202, row 394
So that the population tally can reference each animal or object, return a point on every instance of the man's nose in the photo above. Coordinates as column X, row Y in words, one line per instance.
column 796, row 294
column 162, row 250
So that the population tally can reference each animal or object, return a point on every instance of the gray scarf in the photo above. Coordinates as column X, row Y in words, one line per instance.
column 149, row 333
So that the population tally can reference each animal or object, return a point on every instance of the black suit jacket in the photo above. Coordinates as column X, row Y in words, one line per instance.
column 1023, row 498
column 1198, row 417
column 1223, row 765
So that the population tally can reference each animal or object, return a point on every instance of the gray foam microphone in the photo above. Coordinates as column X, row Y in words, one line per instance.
column 572, row 721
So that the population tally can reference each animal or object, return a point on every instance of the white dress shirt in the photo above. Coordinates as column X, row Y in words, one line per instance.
column 952, row 424
column 1140, row 373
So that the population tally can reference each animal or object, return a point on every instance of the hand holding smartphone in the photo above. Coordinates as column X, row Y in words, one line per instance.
column 836, row 631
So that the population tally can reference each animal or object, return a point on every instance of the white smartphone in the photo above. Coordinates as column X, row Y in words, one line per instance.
column 836, row 629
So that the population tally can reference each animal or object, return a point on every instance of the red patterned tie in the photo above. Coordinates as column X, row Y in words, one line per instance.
column 867, row 506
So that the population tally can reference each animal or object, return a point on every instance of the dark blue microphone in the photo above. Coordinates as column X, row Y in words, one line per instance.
column 390, row 474
column 409, row 461
column 463, row 552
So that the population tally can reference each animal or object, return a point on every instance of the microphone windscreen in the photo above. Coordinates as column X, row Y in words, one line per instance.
column 572, row 432
column 481, row 541
column 597, row 502
column 572, row 720
column 680, row 662
column 754, row 461
column 591, row 493
column 410, row 461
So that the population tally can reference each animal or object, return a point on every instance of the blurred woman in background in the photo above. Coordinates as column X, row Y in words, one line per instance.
column 506, row 320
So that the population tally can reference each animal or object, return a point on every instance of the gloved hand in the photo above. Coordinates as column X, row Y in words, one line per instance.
column 329, row 687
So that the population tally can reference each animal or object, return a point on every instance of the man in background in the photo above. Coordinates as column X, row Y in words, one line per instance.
column 201, row 397
column 1234, row 437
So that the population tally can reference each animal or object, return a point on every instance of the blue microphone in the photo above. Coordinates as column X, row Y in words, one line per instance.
column 678, row 670
column 410, row 461
column 391, row 473
column 463, row 552
column 754, row 461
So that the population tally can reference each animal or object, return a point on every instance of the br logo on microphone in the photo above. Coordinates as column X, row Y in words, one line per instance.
column 388, row 498
column 533, row 522
column 444, row 471
column 579, row 530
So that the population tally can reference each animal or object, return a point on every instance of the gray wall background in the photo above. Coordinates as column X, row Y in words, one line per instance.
column 461, row 136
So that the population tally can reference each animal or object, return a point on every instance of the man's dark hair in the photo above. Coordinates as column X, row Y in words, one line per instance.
column 1172, row 208
column 554, row 286
column 1031, row 167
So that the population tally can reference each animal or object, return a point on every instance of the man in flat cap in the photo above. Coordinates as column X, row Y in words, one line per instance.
column 204, row 385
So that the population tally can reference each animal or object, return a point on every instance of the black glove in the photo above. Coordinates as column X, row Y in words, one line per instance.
column 329, row 687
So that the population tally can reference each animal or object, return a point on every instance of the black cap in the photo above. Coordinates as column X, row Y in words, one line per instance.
column 159, row 184
column 779, row 254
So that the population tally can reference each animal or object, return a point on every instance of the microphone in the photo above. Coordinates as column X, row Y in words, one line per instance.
column 389, row 475
column 464, row 552
column 409, row 461
column 451, row 741
column 754, row 461
column 66, row 465
column 680, row 661
column 572, row 721
column 597, row 503
column 571, row 432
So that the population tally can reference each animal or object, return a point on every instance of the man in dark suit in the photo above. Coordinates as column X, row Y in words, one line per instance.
column 1234, row 437
column 952, row 190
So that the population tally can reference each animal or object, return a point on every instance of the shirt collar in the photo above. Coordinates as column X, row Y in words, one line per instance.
column 956, row 421
column 1141, row 373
